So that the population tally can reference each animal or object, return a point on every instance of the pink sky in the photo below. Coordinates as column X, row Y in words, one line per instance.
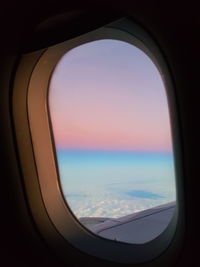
column 109, row 95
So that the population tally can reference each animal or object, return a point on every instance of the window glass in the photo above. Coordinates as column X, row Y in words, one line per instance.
column 111, row 128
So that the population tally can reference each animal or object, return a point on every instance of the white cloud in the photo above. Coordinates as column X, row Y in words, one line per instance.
column 102, row 203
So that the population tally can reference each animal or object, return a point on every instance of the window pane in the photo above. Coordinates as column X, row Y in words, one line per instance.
column 110, row 120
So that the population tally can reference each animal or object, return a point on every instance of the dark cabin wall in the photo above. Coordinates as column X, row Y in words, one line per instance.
column 174, row 26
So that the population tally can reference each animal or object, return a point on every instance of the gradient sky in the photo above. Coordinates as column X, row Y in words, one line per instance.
column 109, row 95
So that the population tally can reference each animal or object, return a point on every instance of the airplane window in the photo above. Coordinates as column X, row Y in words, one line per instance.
column 111, row 128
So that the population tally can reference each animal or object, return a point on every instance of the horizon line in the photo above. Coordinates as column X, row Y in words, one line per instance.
column 115, row 150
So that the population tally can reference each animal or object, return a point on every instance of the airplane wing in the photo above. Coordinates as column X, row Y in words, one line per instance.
column 138, row 227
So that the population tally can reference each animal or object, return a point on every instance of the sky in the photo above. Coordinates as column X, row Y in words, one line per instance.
column 108, row 95
column 110, row 120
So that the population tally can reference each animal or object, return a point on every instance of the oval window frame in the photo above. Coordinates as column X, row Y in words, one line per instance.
column 38, row 114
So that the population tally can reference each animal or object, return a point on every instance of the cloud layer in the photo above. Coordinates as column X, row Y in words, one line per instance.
column 114, row 204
